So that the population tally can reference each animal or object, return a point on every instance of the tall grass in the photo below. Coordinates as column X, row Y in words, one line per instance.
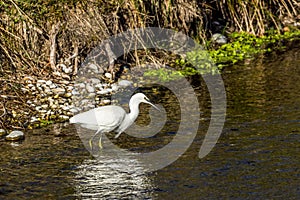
column 36, row 35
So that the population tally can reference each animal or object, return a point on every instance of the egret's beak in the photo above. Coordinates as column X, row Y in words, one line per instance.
column 148, row 102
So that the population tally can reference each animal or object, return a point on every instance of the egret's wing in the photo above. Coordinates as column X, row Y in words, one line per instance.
column 105, row 117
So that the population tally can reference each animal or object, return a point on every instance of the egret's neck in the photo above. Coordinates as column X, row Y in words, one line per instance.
column 134, row 111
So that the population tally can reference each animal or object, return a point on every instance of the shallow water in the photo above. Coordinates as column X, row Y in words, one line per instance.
column 257, row 155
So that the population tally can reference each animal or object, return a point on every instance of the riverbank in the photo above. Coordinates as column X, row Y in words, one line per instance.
column 36, row 102
column 43, row 45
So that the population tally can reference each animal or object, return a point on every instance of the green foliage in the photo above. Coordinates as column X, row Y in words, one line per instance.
column 163, row 74
column 196, row 62
column 44, row 122
column 245, row 45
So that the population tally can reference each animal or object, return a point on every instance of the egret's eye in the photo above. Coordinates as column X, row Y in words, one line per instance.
column 146, row 98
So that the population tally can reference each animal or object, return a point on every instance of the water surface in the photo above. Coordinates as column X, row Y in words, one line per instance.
column 257, row 155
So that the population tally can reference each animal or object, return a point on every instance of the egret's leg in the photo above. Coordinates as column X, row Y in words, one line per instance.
column 100, row 141
column 91, row 140
column 118, row 134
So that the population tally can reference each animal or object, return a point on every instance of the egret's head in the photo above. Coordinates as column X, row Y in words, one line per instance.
column 140, row 97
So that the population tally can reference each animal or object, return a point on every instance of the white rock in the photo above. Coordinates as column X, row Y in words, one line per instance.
column 49, row 82
column 90, row 88
column 94, row 80
column 99, row 86
column 41, row 81
column 102, row 92
column 52, row 86
column 59, row 91
column 15, row 135
column 219, row 38
column 124, row 83
column 114, row 87
column 75, row 93
column 33, row 119
column 44, row 106
column 106, row 101
column 93, row 67
column 64, row 117
column 108, row 75
column 2, row 132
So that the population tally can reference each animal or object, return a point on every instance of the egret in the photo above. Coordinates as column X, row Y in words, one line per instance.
column 111, row 118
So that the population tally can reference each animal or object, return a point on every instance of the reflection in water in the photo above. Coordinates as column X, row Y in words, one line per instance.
column 99, row 178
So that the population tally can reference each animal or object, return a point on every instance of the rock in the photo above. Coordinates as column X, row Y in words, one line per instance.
column 54, row 106
column 2, row 132
column 90, row 88
column 219, row 38
column 115, row 87
column 91, row 95
column 41, row 81
column 70, row 88
column 94, row 80
column 102, row 92
column 25, row 90
column 33, row 119
column 106, row 101
column 30, row 85
column 68, row 95
column 124, row 83
column 48, row 91
column 109, row 90
column 94, row 68
column 64, row 117
column 75, row 93
column 38, row 108
column 15, row 136
column 74, row 110
column 52, row 86
column 59, row 91
column 49, row 82
column 44, row 106
column 99, row 86
column 108, row 75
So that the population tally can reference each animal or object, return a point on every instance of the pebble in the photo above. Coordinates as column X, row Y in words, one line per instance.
column 93, row 67
column 108, row 75
column 219, row 38
column 94, row 80
column 33, row 119
column 106, row 101
column 89, row 88
column 68, row 95
column 102, row 92
column 41, row 81
column 59, row 91
column 49, row 82
column 52, row 86
column 64, row 117
column 2, row 132
column 15, row 136
column 124, row 83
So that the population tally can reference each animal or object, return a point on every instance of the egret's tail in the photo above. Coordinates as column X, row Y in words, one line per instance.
column 72, row 120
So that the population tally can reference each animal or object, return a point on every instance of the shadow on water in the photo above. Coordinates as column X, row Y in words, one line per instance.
column 257, row 155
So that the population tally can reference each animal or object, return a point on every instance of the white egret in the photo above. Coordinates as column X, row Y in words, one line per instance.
column 111, row 118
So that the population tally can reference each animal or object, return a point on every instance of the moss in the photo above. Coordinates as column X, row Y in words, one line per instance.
column 246, row 46
column 242, row 46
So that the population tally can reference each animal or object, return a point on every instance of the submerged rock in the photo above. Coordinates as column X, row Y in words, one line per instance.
column 2, row 132
column 15, row 136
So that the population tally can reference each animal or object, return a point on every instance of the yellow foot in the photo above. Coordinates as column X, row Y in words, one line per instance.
column 100, row 143
column 91, row 145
